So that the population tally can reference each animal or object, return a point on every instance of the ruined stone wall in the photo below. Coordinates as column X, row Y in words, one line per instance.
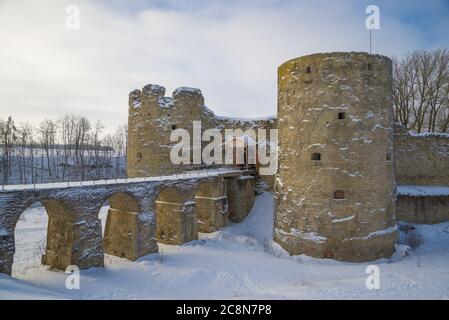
column 421, row 159
column 152, row 118
column 423, row 209
column 335, row 187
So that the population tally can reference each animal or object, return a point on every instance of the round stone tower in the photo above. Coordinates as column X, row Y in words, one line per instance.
column 335, row 189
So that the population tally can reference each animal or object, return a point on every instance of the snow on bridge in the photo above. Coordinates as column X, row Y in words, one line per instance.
column 180, row 176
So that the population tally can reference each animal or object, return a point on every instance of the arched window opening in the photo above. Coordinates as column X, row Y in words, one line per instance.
column 370, row 67
column 341, row 115
column 308, row 70
column 388, row 157
column 339, row 195
column 315, row 156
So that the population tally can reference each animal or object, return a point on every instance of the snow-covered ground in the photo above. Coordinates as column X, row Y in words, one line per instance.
column 423, row 191
column 237, row 262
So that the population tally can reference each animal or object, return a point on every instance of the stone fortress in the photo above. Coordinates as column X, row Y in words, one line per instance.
column 345, row 175
column 341, row 157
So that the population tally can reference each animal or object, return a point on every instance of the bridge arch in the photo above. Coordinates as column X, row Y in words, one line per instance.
column 60, row 235
column 30, row 237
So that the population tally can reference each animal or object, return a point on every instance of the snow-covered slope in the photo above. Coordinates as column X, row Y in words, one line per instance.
column 240, row 261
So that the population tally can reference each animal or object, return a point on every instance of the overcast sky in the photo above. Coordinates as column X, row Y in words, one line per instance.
column 229, row 49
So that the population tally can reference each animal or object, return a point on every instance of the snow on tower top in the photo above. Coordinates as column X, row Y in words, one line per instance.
column 154, row 89
column 182, row 90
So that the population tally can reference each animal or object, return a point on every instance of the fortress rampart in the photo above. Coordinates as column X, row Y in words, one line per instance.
column 421, row 159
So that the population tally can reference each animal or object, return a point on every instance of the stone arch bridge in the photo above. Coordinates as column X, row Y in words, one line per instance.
column 143, row 211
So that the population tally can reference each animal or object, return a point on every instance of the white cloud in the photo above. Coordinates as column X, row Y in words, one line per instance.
column 230, row 50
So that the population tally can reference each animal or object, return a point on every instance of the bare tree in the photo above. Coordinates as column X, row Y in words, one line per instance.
column 404, row 82
column 8, row 137
column 55, row 145
column 47, row 135
column 121, row 146
column 437, row 85
column 82, row 128
column 24, row 137
column 96, row 144
column 421, row 90
column 31, row 155
column 67, row 135
column 115, row 157
column 122, row 134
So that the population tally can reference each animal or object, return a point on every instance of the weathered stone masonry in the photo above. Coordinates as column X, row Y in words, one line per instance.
column 335, row 192
column 74, row 234
column 339, row 155
column 335, row 187
column 428, row 209
column 422, row 160
column 152, row 118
